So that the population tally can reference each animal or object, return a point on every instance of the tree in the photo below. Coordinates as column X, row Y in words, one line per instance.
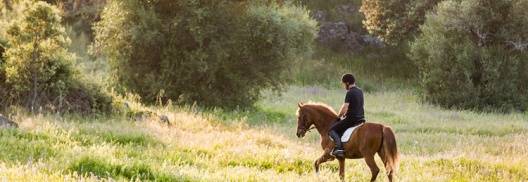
column 395, row 21
column 472, row 54
column 215, row 53
column 37, row 71
column 37, row 61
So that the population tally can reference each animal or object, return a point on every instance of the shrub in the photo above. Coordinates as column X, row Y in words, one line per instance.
column 37, row 65
column 215, row 53
column 37, row 71
column 395, row 21
column 469, row 55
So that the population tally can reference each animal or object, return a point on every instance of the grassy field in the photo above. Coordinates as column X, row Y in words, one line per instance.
column 260, row 145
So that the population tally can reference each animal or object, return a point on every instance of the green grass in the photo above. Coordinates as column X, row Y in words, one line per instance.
column 102, row 168
column 99, row 135
column 260, row 144
column 28, row 146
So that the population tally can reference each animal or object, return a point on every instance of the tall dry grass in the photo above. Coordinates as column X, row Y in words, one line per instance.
column 436, row 144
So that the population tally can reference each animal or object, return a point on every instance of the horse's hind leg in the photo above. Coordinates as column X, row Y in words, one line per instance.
column 381, row 154
column 373, row 167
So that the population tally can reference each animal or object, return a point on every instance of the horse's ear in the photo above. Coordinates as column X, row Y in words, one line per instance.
column 300, row 104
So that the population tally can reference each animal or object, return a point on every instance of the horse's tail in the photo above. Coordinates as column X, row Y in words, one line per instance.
column 390, row 150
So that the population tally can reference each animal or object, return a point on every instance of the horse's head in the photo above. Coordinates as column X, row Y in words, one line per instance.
column 303, row 120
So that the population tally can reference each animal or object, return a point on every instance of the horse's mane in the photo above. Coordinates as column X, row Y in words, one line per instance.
column 321, row 107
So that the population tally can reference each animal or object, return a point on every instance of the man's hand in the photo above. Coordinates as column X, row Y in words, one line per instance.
column 343, row 110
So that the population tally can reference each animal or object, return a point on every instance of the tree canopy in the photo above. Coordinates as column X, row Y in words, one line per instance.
column 395, row 21
column 216, row 53
column 37, row 71
column 472, row 54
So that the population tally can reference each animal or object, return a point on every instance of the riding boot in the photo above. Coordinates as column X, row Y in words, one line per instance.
column 338, row 149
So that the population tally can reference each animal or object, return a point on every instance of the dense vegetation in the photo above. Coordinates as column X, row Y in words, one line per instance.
column 214, row 53
column 200, row 51
column 395, row 21
column 470, row 55
column 37, row 72
column 137, row 90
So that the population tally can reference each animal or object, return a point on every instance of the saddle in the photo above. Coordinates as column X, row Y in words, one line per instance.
column 346, row 135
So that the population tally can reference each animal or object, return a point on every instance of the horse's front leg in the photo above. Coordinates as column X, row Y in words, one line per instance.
column 325, row 157
column 341, row 168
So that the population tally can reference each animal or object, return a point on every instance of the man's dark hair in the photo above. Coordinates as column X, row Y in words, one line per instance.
column 348, row 78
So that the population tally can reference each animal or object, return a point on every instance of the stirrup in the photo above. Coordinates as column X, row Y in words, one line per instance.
column 338, row 153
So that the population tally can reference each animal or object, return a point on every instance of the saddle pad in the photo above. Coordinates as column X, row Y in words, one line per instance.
column 348, row 133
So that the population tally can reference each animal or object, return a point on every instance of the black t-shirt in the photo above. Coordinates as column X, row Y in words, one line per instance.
column 354, row 98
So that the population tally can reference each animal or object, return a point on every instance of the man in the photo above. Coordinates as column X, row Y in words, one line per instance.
column 351, row 113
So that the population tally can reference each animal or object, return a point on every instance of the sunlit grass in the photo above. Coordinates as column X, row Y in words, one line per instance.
column 260, row 145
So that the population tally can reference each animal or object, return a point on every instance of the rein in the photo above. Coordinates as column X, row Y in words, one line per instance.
column 310, row 129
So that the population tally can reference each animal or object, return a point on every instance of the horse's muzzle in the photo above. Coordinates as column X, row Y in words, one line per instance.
column 300, row 133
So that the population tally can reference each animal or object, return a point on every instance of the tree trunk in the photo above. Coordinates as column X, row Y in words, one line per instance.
column 76, row 6
column 8, row 4
column 33, row 69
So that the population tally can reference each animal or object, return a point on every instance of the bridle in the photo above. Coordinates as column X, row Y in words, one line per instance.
column 307, row 130
column 310, row 129
column 303, row 127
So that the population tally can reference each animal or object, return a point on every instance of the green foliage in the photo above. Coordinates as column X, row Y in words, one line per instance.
column 81, row 14
column 37, row 65
column 395, row 21
column 215, row 53
column 335, row 10
column 38, row 70
column 469, row 55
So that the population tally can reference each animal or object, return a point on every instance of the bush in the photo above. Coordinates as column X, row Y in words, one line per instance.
column 470, row 55
column 37, row 72
column 395, row 21
column 215, row 53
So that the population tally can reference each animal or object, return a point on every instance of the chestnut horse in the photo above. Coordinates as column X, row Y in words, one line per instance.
column 367, row 140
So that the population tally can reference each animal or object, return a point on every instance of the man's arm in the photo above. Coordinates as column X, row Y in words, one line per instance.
column 344, row 107
column 343, row 110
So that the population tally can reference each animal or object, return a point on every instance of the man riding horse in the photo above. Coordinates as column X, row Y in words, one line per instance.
column 351, row 113
column 364, row 141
